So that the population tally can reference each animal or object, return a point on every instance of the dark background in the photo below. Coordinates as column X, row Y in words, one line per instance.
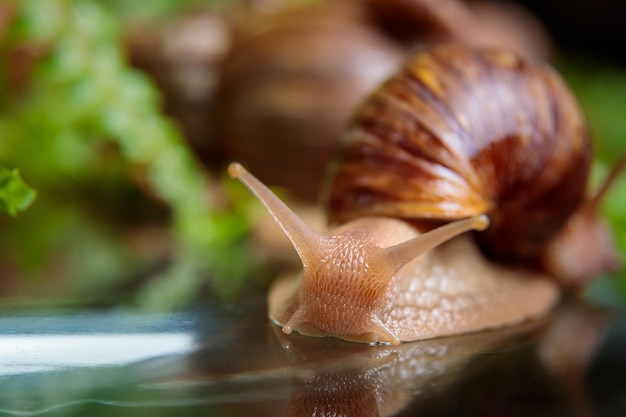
column 596, row 28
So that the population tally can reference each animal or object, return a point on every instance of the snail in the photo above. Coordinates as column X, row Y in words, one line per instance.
column 479, row 139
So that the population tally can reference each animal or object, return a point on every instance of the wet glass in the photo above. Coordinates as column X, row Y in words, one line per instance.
column 229, row 361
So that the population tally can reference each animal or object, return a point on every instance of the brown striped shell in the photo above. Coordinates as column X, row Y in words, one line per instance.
column 459, row 132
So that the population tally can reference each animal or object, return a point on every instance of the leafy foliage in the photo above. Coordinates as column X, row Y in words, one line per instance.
column 85, row 121
column 15, row 195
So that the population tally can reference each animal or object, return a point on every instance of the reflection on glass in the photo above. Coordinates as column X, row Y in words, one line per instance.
column 444, row 377
column 21, row 354
column 344, row 379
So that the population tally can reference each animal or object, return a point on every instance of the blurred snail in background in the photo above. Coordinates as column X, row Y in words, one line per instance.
column 289, row 87
column 474, row 139
column 293, row 78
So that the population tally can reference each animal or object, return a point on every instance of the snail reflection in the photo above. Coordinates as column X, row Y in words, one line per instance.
column 332, row 377
column 530, row 367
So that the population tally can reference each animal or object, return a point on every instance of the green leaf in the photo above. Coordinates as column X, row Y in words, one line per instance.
column 15, row 195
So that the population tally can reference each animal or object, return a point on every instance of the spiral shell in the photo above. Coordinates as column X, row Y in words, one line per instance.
column 460, row 132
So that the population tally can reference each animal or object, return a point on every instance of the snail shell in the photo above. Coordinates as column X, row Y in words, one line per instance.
column 460, row 132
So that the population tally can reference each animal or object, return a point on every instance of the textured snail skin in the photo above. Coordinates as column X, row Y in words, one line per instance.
column 450, row 290
column 460, row 132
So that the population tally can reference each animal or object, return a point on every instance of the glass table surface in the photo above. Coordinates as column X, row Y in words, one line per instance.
column 230, row 361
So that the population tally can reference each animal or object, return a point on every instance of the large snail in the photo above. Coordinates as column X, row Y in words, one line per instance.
column 475, row 138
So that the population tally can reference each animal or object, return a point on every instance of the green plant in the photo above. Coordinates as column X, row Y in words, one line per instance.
column 15, row 195
column 82, row 120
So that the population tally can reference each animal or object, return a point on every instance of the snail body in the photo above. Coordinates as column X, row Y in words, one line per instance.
column 478, row 139
column 451, row 290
